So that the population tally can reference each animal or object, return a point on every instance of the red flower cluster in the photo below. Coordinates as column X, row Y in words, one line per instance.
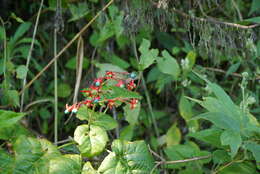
column 95, row 93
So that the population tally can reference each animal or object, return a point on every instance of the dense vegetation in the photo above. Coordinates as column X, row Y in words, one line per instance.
column 129, row 86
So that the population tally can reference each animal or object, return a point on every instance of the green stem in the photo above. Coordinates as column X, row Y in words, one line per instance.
column 55, row 90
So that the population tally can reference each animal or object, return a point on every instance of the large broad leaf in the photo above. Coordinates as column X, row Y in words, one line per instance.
column 168, row 65
column 9, row 118
column 126, row 158
column 220, row 157
column 91, row 139
column 33, row 155
column 22, row 29
column 127, row 132
column 131, row 115
column 181, row 152
column 254, row 6
column 233, row 139
column 96, row 118
column 148, row 56
column 243, row 168
column 221, row 120
column 11, row 133
column 255, row 149
column 6, row 162
column 210, row 136
column 69, row 164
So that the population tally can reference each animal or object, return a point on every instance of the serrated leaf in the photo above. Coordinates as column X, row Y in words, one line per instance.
column 91, row 139
column 173, row 135
column 69, row 164
column 11, row 97
column 168, row 65
column 127, row 157
column 117, row 92
column 210, row 136
column 148, row 56
column 233, row 139
column 33, row 155
column 221, row 120
column 99, row 119
column 6, row 162
column 131, row 115
column 21, row 71
column 9, row 118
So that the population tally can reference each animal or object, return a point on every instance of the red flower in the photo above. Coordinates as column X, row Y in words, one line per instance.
column 96, row 99
column 88, row 103
column 87, row 92
column 109, row 75
column 73, row 108
column 95, row 89
column 133, row 103
column 111, row 103
column 120, row 84
column 131, row 85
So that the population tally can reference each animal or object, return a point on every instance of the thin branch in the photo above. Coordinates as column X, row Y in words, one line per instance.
column 67, row 46
column 30, row 52
column 224, row 72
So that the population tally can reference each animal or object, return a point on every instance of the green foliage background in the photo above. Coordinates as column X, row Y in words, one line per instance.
column 199, row 78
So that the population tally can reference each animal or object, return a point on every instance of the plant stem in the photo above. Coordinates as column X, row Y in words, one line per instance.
column 30, row 53
column 55, row 90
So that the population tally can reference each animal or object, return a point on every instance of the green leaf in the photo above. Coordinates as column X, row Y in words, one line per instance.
column 220, row 157
column 6, row 162
column 221, row 120
column 91, row 139
column 168, row 65
column 117, row 92
column 127, row 157
column 69, row 164
column 131, row 115
column 33, row 155
column 21, row 71
column 12, row 132
column 9, row 118
column 233, row 139
column 181, row 152
column 88, row 169
column 243, row 168
column 148, row 56
column 255, row 149
column 99, row 119
column 185, row 110
column 254, row 19
column 254, row 6
column 173, row 135
column 105, row 121
column 22, row 29
column 64, row 90
column 210, row 136
column 191, row 57
column 127, row 133
column 72, row 63
column 78, row 11
column 11, row 97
